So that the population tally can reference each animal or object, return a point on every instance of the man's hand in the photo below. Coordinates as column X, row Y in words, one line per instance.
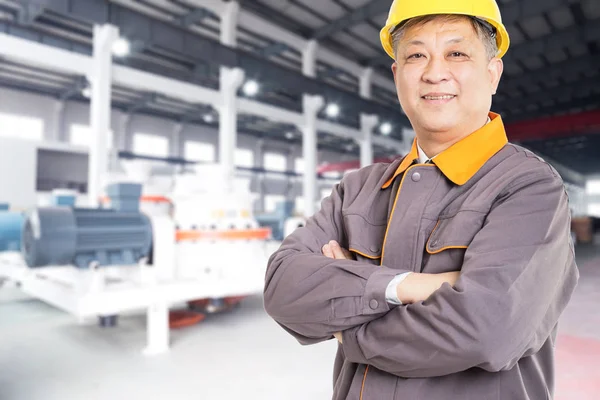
column 335, row 251
column 338, row 336
column 418, row 287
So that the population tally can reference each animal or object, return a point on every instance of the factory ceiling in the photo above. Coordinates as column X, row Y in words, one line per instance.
column 551, row 69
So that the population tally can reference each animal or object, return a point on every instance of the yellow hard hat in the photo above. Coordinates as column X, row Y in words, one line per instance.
column 403, row 10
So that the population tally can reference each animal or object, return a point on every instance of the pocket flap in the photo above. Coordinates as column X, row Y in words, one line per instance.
column 455, row 232
column 364, row 238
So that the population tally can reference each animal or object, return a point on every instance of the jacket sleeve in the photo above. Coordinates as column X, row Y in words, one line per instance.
column 313, row 296
column 517, row 276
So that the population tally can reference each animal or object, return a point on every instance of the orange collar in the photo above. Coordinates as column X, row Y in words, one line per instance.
column 463, row 159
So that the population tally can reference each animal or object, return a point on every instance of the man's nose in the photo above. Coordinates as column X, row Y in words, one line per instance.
column 437, row 70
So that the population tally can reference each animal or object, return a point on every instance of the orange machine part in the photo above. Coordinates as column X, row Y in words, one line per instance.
column 143, row 199
column 234, row 234
column 181, row 318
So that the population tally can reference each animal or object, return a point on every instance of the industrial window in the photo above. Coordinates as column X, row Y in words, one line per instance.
column 244, row 158
column 21, row 127
column 271, row 201
column 594, row 209
column 593, row 187
column 299, row 165
column 81, row 135
column 198, row 151
column 150, row 145
column 275, row 162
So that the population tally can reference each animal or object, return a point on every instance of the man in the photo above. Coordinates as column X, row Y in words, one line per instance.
column 442, row 275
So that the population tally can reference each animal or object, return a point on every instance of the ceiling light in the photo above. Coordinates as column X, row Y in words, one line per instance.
column 121, row 47
column 386, row 128
column 208, row 118
column 332, row 110
column 251, row 88
column 289, row 135
column 86, row 92
column 350, row 147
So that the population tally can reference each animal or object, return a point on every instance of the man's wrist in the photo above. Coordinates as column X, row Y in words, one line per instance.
column 419, row 286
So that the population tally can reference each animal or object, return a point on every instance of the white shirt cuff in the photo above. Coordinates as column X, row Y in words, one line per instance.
column 391, row 292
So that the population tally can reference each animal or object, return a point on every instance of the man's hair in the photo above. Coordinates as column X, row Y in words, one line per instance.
column 484, row 30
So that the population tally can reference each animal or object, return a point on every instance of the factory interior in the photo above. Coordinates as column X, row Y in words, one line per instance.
column 156, row 153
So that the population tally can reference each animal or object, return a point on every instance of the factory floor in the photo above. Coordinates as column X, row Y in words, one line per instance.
column 46, row 355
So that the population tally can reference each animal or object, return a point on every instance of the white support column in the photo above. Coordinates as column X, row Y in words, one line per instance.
column 367, row 123
column 229, row 21
column 366, row 80
column 100, row 80
column 123, row 141
column 175, row 148
column 309, row 59
column 231, row 80
column 157, row 329
column 58, row 133
column 311, row 106
column 259, row 159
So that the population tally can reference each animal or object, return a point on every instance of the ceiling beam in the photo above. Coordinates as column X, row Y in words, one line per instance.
column 178, row 40
column 28, row 13
column 274, row 49
column 143, row 102
column 355, row 17
column 570, row 67
column 560, row 40
column 197, row 15
column 75, row 89
column 542, row 96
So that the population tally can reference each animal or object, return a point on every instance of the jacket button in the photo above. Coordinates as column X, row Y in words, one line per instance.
column 373, row 304
column 374, row 249
column 416, row 177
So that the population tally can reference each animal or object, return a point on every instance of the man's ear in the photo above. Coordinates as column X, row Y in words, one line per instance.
column 394, row 69
column 495, row 69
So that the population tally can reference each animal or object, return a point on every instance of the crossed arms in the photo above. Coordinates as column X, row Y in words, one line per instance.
column 511, row 290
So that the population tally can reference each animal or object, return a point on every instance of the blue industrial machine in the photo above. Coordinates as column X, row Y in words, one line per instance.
column 276, row 219
column 11, row 224
column 80, row 237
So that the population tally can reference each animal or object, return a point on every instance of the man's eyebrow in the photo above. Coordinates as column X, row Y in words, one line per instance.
column 455, row 40
column 421, row 43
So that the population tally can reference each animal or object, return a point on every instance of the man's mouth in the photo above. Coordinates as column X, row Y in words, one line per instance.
column 440, row 97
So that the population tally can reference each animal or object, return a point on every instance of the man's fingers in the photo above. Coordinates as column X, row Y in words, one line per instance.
column 337, row 250
column 327, row 251
column 348, row 255
column 334, row 250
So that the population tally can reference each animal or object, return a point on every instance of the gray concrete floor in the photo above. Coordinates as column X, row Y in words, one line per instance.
column 46, row 355
column 243, row 354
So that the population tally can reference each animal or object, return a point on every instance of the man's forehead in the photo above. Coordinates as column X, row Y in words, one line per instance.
column 451, row 31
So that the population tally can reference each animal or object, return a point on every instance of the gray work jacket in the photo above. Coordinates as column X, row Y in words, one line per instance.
column 488, row 208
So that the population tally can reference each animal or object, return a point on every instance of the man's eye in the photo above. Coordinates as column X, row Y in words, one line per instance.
column 417, row 55
column 457, row 54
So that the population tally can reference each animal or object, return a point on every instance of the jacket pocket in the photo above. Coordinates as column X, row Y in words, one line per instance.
column 365, row 240
column 455, row 232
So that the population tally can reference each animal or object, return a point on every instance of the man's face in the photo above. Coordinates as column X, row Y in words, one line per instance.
column 444, row 78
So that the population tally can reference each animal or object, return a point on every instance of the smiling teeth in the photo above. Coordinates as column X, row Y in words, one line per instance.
column 447, row 97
